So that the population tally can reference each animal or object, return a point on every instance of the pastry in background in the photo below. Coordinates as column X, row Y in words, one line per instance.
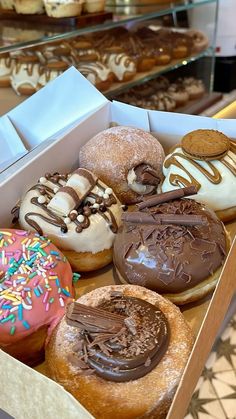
column 193, row 86
column 199, row 40
column 161, row 51
column 6, row 66
column 178, row 92
column 63, row 8
column 94, row 6
column 95, row 71
column 206, row 159
column 29, row 7
column 35, row 287
column 50, row 72
column 7, row 4
column 78, row 212
column 163, row 101
column 120, row 64
column 81, row 48
column 172, row 245
column 127, row 360
column 25, row 74
column 128, row 159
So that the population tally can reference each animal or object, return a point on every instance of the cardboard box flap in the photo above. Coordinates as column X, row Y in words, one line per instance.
column 170, row 127
column 60, row 103
column 50, row 400
column 11, row 146
column 124, row 114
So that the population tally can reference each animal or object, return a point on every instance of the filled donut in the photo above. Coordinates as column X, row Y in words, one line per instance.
column 35, row 286
column 78, row 212
column 121, row 350
column 127, row 159
column 171, row 245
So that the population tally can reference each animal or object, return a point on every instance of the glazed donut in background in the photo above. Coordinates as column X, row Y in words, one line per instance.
column 206, row 159
column 128, row 159
column 199, row 40
column 131, row 361
column 78, row 212
column 171, row 245
column 35, row 286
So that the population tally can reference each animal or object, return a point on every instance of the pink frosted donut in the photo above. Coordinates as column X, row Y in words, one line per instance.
column 127, row 159
column 35, row 286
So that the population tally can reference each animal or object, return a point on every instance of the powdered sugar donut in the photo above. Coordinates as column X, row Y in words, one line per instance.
column 35, row 286
column 132, row 166
column 78, row 212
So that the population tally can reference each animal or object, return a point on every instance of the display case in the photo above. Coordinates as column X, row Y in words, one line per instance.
column 171, row 24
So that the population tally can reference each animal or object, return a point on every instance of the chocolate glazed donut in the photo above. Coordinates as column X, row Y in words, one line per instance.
column 139, row 343
column 128, row 159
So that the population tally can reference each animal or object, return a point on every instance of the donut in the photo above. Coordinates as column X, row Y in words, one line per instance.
column 171, row 245
column 178, row 93
column 121, row 65
column 127, row 159
column 194, row 87
column 206, row 159
column 78, row 212
column 35, row 286
column 199, row 40
column 131, row 369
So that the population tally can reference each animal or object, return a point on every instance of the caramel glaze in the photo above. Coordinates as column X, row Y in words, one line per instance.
column 85, row 208
column 170, row 258
column 132, row 352
column 178, row 180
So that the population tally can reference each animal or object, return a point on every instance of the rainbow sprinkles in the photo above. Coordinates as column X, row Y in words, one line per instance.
column 34, row 278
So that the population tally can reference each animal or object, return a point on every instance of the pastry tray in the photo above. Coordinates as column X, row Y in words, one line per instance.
column 85, row 19
column 82, row 112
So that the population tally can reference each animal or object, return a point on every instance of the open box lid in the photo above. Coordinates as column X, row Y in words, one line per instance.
column 46, row 115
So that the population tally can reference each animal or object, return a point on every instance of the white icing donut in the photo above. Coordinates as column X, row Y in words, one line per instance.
column 91, row 228
column 218, row 195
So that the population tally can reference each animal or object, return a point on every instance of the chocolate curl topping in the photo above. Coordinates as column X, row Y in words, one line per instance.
column 167, row 196
column 93, row 319
column 176, row 219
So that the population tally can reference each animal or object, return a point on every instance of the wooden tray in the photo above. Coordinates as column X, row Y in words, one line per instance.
column 76, row 21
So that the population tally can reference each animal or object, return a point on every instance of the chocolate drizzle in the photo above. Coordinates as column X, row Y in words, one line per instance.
column 123, row 339
column 211, row 173
column 91, row 204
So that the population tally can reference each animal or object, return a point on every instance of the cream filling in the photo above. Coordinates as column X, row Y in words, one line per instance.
column 119, row 69
column 97, row 237
column 217, row 196
column 22, row 77
column 138, row 187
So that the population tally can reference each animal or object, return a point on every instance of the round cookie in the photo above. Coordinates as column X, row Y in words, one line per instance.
column 204, row 144
column 129, row 160
column 147, row 396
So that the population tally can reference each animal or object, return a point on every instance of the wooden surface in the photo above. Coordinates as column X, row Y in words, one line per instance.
column 76, row 21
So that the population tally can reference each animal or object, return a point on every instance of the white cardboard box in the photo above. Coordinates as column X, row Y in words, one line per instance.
column 55, row 123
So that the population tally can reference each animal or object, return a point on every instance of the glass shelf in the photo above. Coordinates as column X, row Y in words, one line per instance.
column 18, row 34
column 141, row 78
